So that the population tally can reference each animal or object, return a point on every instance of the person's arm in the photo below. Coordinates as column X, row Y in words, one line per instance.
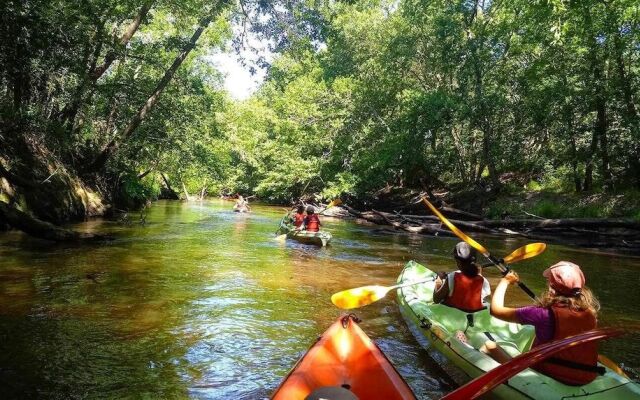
column 442, row 290
column 498, row 309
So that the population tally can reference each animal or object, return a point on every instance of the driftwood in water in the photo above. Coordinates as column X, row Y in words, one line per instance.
column 612, row 232
column 41, row 229
column 593, row 223
column 422, row 228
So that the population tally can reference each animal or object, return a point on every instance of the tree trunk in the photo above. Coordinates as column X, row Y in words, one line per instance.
column 137, row 119
column 631, row 112
column 112, row 54
column 186, row 194
column 573, row 151
column 41, row 229
column 600, row 105
column 588, row 170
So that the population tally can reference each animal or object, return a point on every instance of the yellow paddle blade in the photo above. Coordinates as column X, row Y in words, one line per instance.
column 358, row 297
column 607, row 362
column 455, row 230
column 335, row 202
column 524, row 252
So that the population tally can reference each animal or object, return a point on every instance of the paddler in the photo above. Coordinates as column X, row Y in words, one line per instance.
column 311, row 222
column 466, row 288
column 241, row 204
column 298, row 218
column 565, row 309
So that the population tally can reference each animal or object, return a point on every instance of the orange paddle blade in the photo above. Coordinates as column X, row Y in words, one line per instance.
column 524, row 252
column 455, row 230
column 358, row 297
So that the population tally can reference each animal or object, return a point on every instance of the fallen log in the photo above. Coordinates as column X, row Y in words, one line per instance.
column 424, row 228
column 563, row 223
column 471, row 226
column 42, row 229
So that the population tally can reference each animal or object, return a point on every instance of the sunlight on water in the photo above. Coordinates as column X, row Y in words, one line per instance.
column 203, row 302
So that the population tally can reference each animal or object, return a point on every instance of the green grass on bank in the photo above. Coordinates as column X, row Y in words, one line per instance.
column 549, row 204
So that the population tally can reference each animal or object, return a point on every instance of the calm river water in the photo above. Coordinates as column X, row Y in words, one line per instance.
column 201, row 302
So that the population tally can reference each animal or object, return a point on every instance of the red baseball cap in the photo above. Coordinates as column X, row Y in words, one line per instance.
column 565, row 277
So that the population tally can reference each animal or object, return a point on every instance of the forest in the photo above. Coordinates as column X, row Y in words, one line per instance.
column 107, row 105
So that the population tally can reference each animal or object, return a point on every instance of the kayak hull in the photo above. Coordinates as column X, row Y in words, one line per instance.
column 320, row 238
column 344, row 356
column 435, row 326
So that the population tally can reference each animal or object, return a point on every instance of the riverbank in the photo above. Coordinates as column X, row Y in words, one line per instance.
column 600, row 221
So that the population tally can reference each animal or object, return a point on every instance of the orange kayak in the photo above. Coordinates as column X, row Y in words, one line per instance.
column 345, row 362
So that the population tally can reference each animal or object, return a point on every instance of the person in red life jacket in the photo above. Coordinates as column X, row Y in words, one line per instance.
column 466, row 288
column 311, row 221
column 565, row 309
column 298, row 218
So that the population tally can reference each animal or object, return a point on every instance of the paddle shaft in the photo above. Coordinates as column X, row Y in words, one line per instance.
column 401, row 285
column 504, row 269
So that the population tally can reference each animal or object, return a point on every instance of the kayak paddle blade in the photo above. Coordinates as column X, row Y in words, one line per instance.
column 334, row 202
column 524, row 252
column 455, row 230
column 358, row 297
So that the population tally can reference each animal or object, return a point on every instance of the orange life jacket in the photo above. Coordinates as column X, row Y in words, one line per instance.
column 298, row 219
column 467, row 293
column 312, row 223
column 576, row 365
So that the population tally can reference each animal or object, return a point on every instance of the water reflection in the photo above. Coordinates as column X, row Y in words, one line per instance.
column 203, row 302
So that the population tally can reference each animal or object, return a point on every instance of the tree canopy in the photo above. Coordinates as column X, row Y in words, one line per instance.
column 362, row 95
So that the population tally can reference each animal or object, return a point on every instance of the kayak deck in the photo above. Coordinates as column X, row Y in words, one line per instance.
column 435, row 327
column 344, row 356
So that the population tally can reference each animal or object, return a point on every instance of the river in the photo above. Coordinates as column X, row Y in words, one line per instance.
column 202, row 302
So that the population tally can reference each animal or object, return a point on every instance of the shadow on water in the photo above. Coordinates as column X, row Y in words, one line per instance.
column 206, row 303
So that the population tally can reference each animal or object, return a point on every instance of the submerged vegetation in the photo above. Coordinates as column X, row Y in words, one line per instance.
column 112, row 103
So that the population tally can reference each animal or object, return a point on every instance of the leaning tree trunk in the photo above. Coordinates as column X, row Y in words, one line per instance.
column 87, row 86
column 137, row 119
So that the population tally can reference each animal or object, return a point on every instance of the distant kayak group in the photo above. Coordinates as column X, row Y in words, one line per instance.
column 304, row 227
column 241, row 205
column 544, row 351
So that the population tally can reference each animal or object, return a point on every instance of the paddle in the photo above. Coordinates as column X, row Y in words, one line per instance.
column 521, row 253
column 498, row 263
column 365, row 295
column 334, row 202
column 500, row 374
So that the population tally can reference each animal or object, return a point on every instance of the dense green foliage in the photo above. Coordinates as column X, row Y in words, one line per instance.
column 362, row 96
column 437, row 93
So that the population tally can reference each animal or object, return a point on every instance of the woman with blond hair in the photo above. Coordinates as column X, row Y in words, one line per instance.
column 565, row 309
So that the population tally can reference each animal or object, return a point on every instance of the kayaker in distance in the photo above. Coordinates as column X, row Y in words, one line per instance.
column 466, row 288
column 565, row 309
column 311, row 221
column 241, row 204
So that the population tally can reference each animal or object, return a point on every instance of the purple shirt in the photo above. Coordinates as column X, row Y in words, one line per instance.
column 542, row 320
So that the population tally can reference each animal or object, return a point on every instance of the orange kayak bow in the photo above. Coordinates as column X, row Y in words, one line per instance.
column 344, row 359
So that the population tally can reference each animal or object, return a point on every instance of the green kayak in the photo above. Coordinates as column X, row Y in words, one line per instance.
column 320, row 238
column 435, row 325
